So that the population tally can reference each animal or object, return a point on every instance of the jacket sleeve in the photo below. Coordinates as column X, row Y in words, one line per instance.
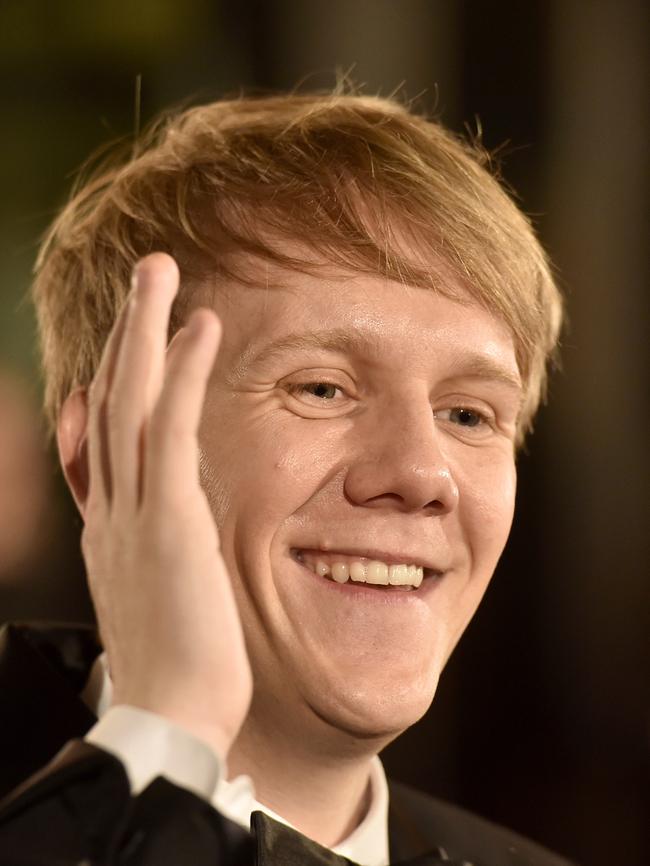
column 79, row 810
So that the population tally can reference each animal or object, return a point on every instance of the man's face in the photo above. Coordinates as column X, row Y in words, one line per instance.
column 351, row 419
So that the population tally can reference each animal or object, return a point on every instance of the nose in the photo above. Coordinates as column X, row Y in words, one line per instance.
column 401, row 463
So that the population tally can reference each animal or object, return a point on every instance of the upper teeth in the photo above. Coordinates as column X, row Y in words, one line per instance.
column 371, row 571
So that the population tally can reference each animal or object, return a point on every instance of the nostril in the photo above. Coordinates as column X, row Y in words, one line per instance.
column 438, row 506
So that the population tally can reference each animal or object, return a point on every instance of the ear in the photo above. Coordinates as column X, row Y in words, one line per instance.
column 71, row 437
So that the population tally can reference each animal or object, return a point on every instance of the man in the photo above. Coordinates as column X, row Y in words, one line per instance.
column 283, row 544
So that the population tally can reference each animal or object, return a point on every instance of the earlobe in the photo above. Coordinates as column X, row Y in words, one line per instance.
column 71, row 437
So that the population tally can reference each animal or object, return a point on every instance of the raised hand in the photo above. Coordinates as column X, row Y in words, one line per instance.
column 163, row 597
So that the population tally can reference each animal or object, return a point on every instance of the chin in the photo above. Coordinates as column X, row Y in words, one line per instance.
column 374, row 714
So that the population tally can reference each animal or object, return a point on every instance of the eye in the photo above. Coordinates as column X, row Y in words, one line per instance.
column 466, row 417
column 469, row 420
column 323, row 392
column 320, row 393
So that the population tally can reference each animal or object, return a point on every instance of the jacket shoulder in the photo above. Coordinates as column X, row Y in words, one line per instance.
column 420, row 823
column 42, row 669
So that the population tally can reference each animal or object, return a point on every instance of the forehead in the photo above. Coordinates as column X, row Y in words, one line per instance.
column 288, row 314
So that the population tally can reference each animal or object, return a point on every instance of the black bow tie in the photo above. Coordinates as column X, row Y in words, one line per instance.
column 279, row 845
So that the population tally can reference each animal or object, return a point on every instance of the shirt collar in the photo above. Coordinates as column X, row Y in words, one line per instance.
column 366, row 845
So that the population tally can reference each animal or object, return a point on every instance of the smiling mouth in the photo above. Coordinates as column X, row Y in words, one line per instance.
column 349, row 568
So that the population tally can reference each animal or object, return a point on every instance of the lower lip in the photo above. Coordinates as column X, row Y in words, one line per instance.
column 375, row 592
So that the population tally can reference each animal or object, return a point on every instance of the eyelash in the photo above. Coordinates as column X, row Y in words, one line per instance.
column 300, row 387
column 483, row 419
column 484, row 423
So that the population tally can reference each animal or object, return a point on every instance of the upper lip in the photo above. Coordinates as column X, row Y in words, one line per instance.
column 390, row 558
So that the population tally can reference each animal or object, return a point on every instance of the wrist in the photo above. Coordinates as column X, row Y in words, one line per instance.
column 190, row 716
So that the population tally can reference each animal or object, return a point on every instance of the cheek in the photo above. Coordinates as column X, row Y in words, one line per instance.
column 487, row 501
column 214, row 483
column 486, row 507
column 262, row 468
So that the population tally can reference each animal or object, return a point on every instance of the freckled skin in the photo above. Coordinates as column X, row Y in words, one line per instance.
column 383, row 465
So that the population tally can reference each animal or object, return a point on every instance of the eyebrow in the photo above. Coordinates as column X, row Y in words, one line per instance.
column 336, row 340
column 473, row 365
column 468, row 364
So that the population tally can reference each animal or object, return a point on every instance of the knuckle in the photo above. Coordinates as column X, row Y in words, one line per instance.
column 141, row 334
column 168, row 425
column 173, row 439
column 178, row 432
column 155, row 538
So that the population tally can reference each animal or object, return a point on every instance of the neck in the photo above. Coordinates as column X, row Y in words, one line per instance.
column 316, row 779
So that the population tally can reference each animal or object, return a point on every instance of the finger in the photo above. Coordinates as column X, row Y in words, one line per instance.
column 175, row 344
column 172, row 436
column 99, row 483
column 139, row 372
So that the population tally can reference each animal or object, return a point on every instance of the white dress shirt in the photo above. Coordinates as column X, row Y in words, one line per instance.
column 149, row 746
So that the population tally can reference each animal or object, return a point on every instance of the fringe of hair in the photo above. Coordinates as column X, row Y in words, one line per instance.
column 299, row 181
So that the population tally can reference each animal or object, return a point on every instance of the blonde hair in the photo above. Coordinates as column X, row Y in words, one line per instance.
column 346, row 176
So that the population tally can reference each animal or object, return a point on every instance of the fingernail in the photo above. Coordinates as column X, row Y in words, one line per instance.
column 177, row 337
column 195, row 325
column 135, row 276
column 139, row 275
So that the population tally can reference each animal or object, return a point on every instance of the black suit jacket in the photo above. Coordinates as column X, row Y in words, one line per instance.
column 71, row 804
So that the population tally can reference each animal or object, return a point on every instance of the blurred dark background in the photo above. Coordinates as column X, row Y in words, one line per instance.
column 542, row 719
